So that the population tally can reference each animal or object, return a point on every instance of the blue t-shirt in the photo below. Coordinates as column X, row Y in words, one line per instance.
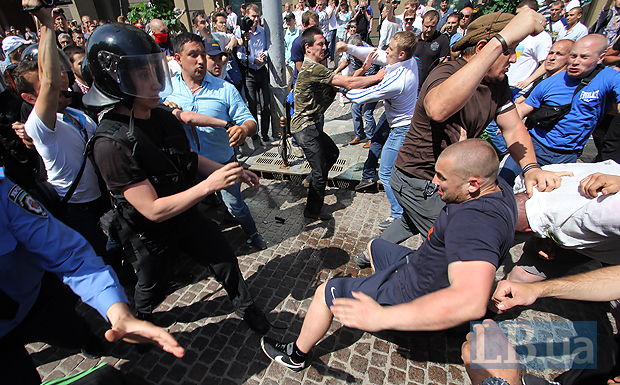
column 297, row 54
column 590, row 105
column 481, row 229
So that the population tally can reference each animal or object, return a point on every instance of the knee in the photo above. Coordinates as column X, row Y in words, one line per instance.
column 519, row 274
column 319, row 293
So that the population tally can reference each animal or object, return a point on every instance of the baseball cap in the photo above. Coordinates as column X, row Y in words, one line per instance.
column 212, row 47
column 484, row 27
column 11, row 43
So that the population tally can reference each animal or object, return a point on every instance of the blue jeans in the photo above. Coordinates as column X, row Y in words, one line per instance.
column 366, row 110
column 376, row 146
column 231, row 196
column 331, row 43
column 388, row 156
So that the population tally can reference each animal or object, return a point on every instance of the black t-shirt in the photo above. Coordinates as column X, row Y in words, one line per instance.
column 118, row 167
column 430, row 51
column 362, row 25
column 481, row 229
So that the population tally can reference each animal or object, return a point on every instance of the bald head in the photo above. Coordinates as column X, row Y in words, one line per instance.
column 473, row 158
column 586, row 54
column 157, row 26
column 596, row 42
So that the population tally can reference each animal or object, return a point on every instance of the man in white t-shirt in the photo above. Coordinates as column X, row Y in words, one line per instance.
column 531, row 52
column 389, row 26
column 231, row 18
column 59, row 135
column 575, row 29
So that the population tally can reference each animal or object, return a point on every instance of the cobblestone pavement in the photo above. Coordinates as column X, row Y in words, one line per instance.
column 220, row 349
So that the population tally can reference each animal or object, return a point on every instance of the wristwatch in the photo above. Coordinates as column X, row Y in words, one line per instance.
column 495, row 381
column 229, row 124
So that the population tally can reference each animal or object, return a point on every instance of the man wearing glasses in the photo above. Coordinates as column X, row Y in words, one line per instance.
column 464, row 20
column 409, row 21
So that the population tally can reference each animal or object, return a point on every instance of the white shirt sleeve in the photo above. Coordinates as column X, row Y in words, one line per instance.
column 362, row 52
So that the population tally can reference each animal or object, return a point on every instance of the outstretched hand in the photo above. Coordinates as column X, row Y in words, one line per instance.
column 126, row 327
column 544, row 181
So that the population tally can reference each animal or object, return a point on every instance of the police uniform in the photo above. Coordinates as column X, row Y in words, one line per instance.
column 35, row 251
column 157, row 150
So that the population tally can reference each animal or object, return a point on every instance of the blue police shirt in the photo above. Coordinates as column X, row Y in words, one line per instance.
column 589, row 106
column 219, row 99
column 32, row 241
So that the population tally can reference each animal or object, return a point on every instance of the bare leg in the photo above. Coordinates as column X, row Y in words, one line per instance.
column 518, row 274
column 317, row 321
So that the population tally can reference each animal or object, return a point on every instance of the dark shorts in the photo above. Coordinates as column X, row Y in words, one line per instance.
column 387, row 258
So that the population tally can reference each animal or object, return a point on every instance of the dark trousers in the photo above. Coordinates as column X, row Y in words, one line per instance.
column 201, row 239
column 377, row 140
column 257, row 86
column 52, row 320
column 607, row 139
column 321, row 152
column 84, row 218
column 420, row 209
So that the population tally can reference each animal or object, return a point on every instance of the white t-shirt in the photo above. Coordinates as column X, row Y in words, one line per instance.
column 388, row 30
column 573, row 221
column 333, row 23
column 62, row 151
column 531, row 51
column 578, row 31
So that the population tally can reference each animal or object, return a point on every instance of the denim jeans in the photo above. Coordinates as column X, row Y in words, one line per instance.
column 388, row 156
column 331, row 43
column 366, row 111
column 257, row 84
column 236, row 206
column 321, row 152
column 376, row 146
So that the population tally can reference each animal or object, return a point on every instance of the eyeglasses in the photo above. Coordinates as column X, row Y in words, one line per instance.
column 409, row 19
column 463, row 15
column 352, row 26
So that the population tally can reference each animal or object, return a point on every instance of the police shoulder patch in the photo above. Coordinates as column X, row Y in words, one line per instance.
column 21, row 198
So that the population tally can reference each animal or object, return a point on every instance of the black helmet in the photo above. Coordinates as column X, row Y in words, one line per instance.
column 125, row 62
column 32, row 54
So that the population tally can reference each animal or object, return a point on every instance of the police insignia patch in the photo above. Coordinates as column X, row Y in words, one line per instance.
column 26, row 202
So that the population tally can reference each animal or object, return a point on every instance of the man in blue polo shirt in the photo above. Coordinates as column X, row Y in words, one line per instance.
column 214, row 116
column 564, row 142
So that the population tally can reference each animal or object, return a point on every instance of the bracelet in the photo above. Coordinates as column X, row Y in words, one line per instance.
column 502, row 41
column 229, row 124
column 530, row 166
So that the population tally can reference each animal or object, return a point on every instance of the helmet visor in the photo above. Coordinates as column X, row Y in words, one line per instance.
column 142, row 76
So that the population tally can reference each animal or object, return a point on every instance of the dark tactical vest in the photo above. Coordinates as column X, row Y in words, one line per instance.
column 171, row 169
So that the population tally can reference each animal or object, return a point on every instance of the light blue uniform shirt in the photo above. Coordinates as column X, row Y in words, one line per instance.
column 32, row 241
column 219, row 99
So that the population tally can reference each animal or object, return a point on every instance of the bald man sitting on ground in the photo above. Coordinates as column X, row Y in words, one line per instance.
column 444, row 283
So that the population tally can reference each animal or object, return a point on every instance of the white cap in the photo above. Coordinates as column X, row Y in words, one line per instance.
column 11, row 43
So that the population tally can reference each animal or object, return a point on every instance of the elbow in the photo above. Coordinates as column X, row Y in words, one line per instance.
column 435, row 112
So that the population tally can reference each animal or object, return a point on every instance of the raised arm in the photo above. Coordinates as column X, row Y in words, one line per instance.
column 462, row 84
column 349, row 82
column 362, row 52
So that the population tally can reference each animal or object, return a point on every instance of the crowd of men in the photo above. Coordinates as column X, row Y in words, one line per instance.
column 112, row 135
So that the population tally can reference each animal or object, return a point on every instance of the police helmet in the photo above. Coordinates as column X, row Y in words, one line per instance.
column 125, row 62
column 32, row 54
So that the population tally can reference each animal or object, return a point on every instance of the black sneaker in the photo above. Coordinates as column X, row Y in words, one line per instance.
column 281, row 353
column 361, row 260
column 258, row 241
column 256, row 320
column 364, row 183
